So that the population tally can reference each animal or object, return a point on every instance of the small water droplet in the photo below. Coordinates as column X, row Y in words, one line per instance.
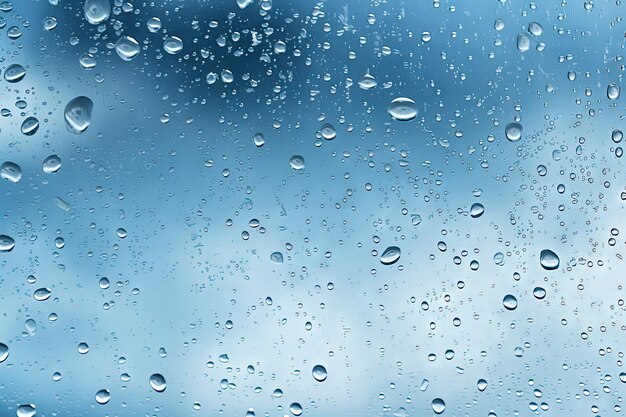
column 173, row 45
column 612, row 91
column 477, row 210
column 297, row 162
column 30, row 125
column 51, row 164
column 510, row 302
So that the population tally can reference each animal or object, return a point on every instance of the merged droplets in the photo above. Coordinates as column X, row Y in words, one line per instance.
column 7, row 243
column 14, row 73
column 390, row 256
column 438, row 405
column 319, row 373
column 97, row 11
column 510, row 302
column 4, row 352
column 127, row 48
column 10, row 171
column 157, row 382
column 51, row 164
column 30, row 125
column 173, row 45
column 26, row 410
column 297, row 162
column 78, row 114
column 513, row 131
column 549, row 260
column 402, row 109
column 103, row 396
column 612, row 91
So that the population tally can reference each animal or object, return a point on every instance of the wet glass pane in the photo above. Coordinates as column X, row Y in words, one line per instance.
column 336, row 208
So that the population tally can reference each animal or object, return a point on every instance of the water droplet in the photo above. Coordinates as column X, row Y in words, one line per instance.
column 622, row 377
column 513, row 131
column 157, row 382
column 30, row 125
column 97, row 11
column 296, row 409
column 276, row 257
column 127, row 48
column 154, row 24
column 10, row 171
column 319, row 373
column 4, row 352
column 173, row 45
column 51, row 164
column 14, row 73
column 42, row 294
column 535, row 29
column 49, row 23
column 259, row 140
column 26, row 410
column 539, row 293
column 328, row 131
column 87, row 61
column 297, row 162
column 83, row 348
column 438, row 405
column 481, row 385
column 617, row 136
column 402, row 109
column 509, row 302
column 477, row 210
column 244, row 3
column 78, row 114
column 549, row 260
column 523, row 42
column 390, row 256
column 103, row 396
column 612, row 91
column 368, row 82
column 31, row 327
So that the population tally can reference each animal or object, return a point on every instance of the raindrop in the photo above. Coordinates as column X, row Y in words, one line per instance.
column 509, row 302
column 259, row 140
column 617, row 136
column 328, row 131
column 49, row 23
column 481, row 385
column 402, row 109
column 103, row 396
column 296, row 409
column 276, row 257
column 42, row 294
column 477, row 210
column 97, row 11
column 157, row 382
column 535, row 29
column 4, row 352
column 438, row 405
column 513, row 131
column 10, row 171
column 154, row 24
column 549, row 260
column 368, row 82
column 26, row 410
column 523, row 42
column 30, row 125
column 539, row 293
column 51, row 164
column 127, row 48
column 319, row 373
column 78, row 114
column 390, row 256
column 612, row 91
column 173, row 45
column 14, row 73
column 297, row 162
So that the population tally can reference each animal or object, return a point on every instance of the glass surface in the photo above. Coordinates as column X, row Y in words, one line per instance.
column 343, row 208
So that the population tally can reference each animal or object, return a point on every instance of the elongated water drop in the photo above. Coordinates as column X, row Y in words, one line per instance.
column 14, row 73
column 30, row 125
column 78, row 114
column 390, row 256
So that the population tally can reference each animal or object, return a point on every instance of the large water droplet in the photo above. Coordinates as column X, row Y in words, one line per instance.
column 30, row 125
column 4, row 352
column 103, row 396
column 296, row 409
column 367, row 82
column 513, row 131
column 276, row 257
column 612, row 91
column 26, row 410
column 127, row 48
column 42, row 294
column 157, row 382
column 535, row 29
column 510, row 302
column 173, row 45
column 51, row 164
column 523, row 42
column 390, row 256
column 328, row 131
column 7, row 243
column 539, row 293
column 319, row 373
column 297, row 162
column 97, row 11
column 477, row 210
column 259, row 140
column 402, row 109
column 14, row 73
column 549, row 260
column 481, row 385
column 10, row 171
column 438, row 405
column 78, row 114
column 154, row 24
